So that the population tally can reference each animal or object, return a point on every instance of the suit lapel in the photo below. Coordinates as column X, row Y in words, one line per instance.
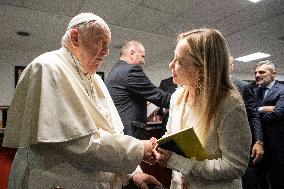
column 270, row 92
column 257, row 96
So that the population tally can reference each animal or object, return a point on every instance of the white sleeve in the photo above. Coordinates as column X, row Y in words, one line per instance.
column 234, row 142
column 172, row 104
column 105, row 152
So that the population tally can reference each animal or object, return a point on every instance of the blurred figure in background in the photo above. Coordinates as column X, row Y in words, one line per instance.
column 130, row 90
column 169, row 86
column 253, row 177
column 269, row 96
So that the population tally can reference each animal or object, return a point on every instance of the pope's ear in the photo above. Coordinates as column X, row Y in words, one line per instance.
column 74, row 37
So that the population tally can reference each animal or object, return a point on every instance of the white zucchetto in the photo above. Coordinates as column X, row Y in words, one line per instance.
column 83, row 17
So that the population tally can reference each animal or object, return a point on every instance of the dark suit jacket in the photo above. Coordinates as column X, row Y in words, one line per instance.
column 168, row 86
column 273, row 122
column 240, row 84
column 248, row 96
column 130, row 90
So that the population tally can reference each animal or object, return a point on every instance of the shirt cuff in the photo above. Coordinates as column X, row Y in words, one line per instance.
column 179, row 163
column 260, row 109
column 137, row 170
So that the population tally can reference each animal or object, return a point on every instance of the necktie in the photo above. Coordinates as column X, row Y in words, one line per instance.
column 262, row 93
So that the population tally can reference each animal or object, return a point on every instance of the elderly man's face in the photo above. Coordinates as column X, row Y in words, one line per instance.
column 94, row 47
column 263, row 75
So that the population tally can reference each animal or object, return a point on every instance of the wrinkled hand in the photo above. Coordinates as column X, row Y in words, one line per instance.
column 142, row 180
column 162, row 156
column 149, row 146
column 257, row 152
column 267, row 109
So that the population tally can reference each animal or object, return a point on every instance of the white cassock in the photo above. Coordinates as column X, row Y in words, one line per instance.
column 67, row 129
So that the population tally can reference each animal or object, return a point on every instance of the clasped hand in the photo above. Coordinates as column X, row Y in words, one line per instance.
column 149, row 147
column 153, row 155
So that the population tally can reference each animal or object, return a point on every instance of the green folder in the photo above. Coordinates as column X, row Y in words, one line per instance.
column 185, row 143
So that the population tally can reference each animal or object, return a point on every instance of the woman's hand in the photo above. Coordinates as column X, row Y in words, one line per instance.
column 162, row 156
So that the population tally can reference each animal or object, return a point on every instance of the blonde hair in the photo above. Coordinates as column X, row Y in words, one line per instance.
column 208, row 50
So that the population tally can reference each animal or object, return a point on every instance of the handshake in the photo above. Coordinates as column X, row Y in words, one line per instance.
column 153, row 155
column 149, row 148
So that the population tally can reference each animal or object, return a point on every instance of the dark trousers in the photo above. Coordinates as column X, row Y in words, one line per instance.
column 266, row 174
column 276, row 169
column 256, row 176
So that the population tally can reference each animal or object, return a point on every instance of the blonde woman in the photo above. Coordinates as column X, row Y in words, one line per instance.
column 208, row 102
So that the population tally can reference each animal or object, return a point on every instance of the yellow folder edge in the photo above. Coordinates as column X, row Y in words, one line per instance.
column 188, row 142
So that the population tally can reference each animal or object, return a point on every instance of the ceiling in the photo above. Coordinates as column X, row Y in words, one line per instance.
column 248, row 28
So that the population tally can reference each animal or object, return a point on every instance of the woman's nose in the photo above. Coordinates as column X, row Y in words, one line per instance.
column 171, row 64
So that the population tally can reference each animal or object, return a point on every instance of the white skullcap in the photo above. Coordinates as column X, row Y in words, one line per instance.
column 82, row 18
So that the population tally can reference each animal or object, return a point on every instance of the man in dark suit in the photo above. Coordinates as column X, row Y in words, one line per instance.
column 269, row 97
column 252, row 179
column 130, row 90
column 253, row 118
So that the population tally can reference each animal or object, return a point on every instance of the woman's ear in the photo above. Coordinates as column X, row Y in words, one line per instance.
column 74, row 37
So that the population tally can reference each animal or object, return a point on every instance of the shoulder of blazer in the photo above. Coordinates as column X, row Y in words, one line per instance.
column 135, row 68
column 121, row 66
column 121, row 63
column 279, row 85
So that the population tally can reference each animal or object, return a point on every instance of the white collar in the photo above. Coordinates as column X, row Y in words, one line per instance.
column 270, row 85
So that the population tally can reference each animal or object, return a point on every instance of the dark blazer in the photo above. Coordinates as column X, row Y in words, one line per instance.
column 130, row 90
column 248, row 96
column 168, row 86
column 272, row 122
column 240, row 84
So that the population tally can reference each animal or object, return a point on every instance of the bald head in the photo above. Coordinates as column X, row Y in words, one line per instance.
column 133, row 52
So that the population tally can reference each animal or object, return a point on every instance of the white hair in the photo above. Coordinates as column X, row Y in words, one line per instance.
column 268, row 63
column 83, row 20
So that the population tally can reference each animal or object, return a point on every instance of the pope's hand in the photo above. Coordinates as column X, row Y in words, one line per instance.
column 149, row 146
